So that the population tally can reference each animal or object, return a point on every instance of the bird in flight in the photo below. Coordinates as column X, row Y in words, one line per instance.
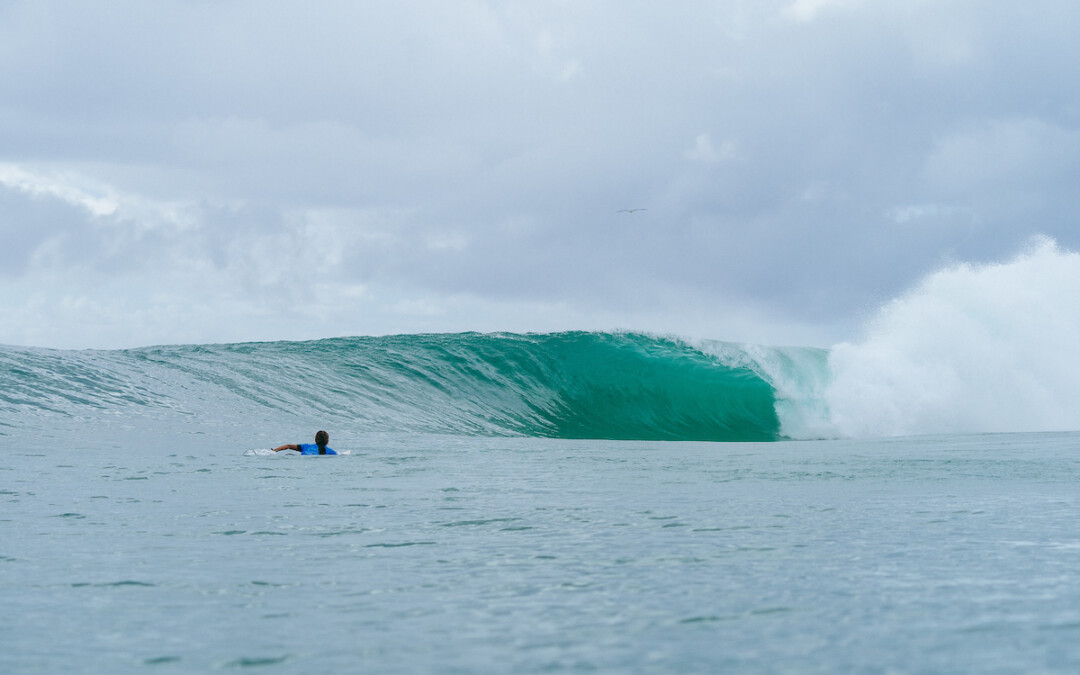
column 630, row 210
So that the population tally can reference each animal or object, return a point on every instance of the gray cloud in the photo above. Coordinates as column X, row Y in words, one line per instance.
column 257, row 170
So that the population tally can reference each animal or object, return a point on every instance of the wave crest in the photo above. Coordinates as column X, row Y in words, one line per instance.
column 623, row 386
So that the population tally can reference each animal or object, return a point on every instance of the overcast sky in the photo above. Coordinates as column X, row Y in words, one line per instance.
column 226, row 170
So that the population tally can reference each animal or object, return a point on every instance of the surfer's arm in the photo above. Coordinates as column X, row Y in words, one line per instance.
column 287, row 446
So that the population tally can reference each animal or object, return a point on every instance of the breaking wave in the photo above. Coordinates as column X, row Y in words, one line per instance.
column 971, row 349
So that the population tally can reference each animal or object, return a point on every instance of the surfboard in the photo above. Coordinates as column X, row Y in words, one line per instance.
column 267, row 451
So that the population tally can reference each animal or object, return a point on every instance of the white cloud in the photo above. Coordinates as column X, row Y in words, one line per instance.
column 106, row 203
column 452, row 241
column 94, row 197
column 915, row 212
column 571, row 70
column 705, row 151
column 808, row 10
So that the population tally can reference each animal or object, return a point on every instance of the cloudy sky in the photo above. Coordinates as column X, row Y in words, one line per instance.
column 226, row 170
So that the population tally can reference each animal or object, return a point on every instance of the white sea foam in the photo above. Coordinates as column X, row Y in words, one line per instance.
column 973, row 348
column 798, row 375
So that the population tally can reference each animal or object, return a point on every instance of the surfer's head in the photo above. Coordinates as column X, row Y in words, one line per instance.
column 321, row 439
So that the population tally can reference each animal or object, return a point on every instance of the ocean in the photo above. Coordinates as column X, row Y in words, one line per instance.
column 569, row 502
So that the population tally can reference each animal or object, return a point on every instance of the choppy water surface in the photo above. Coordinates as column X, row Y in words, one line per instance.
column 121, row 552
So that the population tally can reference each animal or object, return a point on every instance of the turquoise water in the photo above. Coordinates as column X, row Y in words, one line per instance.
column 175, row 553
column 566, row 385
column 520, row 503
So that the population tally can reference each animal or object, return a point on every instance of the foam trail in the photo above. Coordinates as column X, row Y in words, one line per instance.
column 973, row 348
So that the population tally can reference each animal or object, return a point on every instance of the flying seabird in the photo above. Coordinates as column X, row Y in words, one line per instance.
column 630, row 210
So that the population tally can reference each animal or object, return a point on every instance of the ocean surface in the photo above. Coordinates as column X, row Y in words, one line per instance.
column 572, row 502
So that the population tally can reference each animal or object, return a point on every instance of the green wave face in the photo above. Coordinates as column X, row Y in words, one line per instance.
column 634, row 387
column 622, row 386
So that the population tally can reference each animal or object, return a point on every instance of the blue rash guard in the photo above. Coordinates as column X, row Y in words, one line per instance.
column 312, row 449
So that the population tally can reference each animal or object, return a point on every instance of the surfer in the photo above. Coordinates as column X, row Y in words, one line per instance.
column 316, row 448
